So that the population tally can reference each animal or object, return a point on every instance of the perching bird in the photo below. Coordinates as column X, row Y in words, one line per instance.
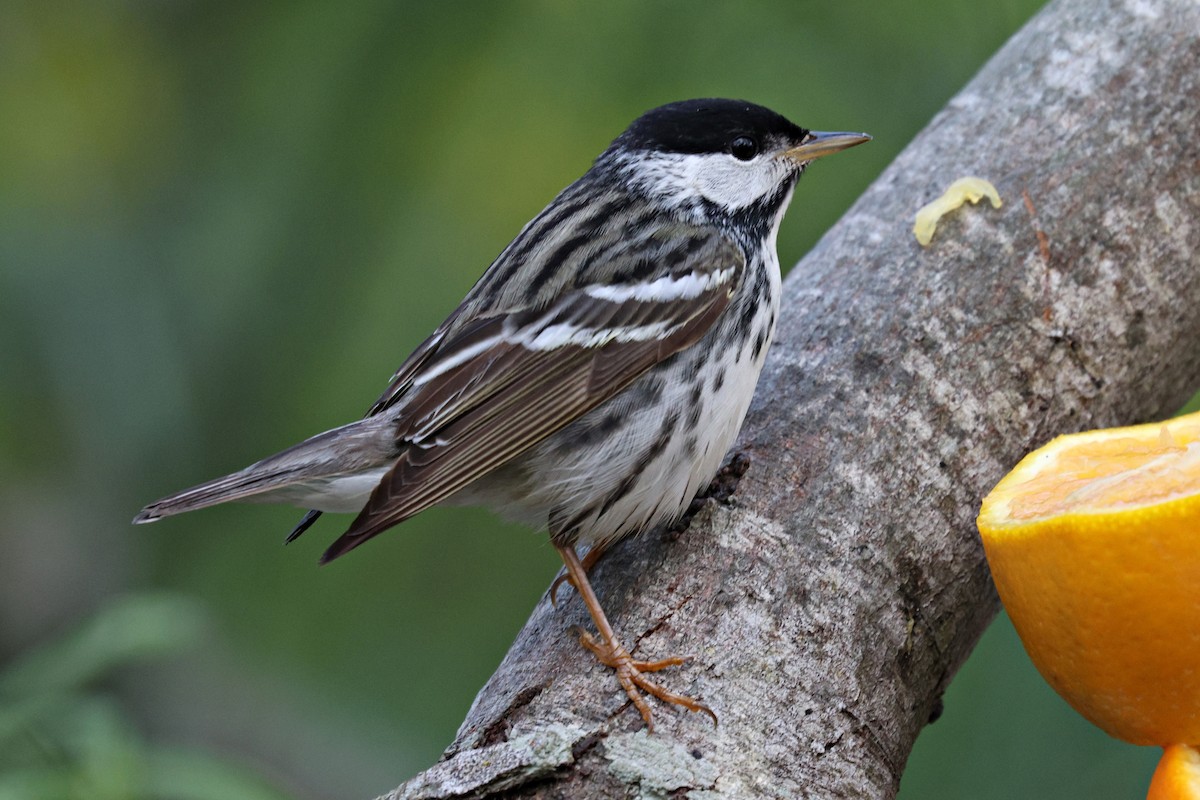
column 593, row 379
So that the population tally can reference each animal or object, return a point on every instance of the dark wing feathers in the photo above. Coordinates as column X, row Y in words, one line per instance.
column 477, row 394
column 402, row 380
column 397, row 386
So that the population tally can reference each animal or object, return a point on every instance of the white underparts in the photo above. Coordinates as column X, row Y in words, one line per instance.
column 339, row 494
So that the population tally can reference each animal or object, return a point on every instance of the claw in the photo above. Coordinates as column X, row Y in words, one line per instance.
column 612, row 653
column 629, row 674
column 559, row 581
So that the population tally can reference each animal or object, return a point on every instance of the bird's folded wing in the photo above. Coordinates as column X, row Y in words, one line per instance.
column 497, row 385
column 401, row 382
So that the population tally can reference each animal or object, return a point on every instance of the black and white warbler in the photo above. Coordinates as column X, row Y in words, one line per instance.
column 593, row 379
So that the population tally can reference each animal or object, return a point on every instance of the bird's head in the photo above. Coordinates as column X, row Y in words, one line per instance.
column 718, row 159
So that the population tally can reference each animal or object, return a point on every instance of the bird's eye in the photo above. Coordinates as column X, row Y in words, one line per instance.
column 743, row 148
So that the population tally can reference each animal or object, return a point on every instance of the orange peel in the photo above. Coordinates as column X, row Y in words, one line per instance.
column 1177, row 776
column 1094, row 545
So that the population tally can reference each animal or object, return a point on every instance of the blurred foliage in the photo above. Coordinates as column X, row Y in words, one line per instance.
column 63, row 736
column 223, row 224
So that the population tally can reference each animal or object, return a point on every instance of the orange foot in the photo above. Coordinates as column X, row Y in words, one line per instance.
column 612, row 654
column 629, row 675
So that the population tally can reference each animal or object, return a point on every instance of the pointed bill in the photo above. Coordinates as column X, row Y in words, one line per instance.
column 824, row 143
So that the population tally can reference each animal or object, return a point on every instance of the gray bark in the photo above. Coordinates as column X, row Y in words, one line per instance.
column 830, row 601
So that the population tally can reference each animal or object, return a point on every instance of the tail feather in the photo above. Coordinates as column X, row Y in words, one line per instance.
column 248, row 483
column 305, row 523
column 359, row 448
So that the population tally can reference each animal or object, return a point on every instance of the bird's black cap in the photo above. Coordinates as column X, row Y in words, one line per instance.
column 706, row 126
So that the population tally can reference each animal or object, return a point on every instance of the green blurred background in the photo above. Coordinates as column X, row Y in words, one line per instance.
column 222, row 225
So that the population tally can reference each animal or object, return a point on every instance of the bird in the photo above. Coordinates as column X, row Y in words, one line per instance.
column 594, row 377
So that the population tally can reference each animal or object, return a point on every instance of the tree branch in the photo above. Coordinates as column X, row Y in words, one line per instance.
column 828, row 605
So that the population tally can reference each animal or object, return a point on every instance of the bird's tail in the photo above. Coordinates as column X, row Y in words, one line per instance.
column 330, row 470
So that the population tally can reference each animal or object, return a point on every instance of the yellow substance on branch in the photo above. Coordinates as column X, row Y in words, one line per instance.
column 961, row 191
column 1094, row 545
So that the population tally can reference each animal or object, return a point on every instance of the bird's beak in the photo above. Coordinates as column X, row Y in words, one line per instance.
column 820, row 143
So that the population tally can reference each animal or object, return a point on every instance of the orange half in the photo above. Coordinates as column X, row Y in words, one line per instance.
column 1094, row 544
column 1177, row 776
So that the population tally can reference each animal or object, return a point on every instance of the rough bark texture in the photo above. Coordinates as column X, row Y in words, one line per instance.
column 830, row 601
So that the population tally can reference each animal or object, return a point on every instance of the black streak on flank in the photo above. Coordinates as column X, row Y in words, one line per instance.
column 691, row 446
column 597, row 431
column 649, row 389
column 760, row 341
column 696, row 406
column 654, row 451
column 565, row 533
column 752, row 297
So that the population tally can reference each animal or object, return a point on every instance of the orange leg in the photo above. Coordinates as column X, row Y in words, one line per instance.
column 612, row 653
column 589, row 561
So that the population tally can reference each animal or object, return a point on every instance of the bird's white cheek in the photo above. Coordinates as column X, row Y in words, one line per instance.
column 736, row 184
column 680, row 179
